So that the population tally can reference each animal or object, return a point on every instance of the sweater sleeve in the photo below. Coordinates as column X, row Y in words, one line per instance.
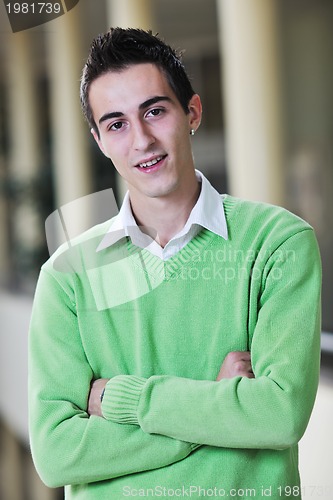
column 68, row 446
column 270, row 411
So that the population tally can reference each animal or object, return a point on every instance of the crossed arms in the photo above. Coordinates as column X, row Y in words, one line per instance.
column 235, row 364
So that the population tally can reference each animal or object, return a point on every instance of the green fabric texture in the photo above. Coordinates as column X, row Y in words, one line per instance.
column 160, row 330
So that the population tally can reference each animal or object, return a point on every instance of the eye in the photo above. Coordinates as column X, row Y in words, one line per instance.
column 155, row 112
column 116, row 126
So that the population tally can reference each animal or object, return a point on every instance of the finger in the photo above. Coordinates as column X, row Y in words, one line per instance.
column 246, row 369
column 245, row 355
column 242, row 366
column 240, row 355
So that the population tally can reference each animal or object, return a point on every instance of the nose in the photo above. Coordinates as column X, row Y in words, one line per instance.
column 143, row 137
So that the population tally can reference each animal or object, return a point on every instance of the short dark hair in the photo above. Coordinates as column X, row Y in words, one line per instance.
column 120, row 48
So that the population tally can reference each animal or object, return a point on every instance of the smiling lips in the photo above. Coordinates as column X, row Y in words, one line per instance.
column 151, row 163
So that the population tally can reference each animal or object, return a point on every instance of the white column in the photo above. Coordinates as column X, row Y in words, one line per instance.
column 72, row 173
column 4, row 249
column 129, row 14
column 25, row 149
column 23, row 112
column 251, row 76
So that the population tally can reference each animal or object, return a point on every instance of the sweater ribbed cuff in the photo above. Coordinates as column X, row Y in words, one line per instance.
column 121, row 399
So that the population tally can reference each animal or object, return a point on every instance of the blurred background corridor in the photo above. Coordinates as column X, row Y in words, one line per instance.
column 264, row 70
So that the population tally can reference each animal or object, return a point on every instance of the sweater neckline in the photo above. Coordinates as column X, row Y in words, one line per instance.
column 166, row 269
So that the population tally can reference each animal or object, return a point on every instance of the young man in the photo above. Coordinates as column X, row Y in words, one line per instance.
column 177, row 351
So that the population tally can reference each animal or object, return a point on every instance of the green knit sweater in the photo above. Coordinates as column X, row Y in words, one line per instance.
column 160, row 330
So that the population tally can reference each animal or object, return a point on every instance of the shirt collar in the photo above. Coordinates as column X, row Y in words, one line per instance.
column 208, row 212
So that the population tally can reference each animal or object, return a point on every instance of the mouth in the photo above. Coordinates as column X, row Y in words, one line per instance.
column 151, row 165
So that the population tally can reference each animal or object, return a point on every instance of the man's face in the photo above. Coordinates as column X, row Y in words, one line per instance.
column 145, row 131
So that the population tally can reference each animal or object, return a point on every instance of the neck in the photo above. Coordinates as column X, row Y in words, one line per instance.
column 162, row 218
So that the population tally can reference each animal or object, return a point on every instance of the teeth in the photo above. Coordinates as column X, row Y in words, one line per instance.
column 150, row 163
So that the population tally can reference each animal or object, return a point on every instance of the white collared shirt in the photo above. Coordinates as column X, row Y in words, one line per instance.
column 208, row 213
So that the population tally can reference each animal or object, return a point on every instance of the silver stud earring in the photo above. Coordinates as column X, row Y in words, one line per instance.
column 192, row 131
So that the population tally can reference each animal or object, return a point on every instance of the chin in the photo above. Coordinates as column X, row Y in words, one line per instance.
column 162, row 191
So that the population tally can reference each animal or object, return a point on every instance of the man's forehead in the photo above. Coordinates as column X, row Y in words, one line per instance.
column 131, row 76
column 132, row 86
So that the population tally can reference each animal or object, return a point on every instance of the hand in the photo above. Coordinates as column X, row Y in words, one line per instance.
column 236, row 364
column 94, row 401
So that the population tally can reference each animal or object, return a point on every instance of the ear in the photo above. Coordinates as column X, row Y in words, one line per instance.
column 195, row 112
column 98, row 140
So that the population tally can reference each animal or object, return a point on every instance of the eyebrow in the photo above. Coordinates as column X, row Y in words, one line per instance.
column 154, row 100
column 144, row 105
